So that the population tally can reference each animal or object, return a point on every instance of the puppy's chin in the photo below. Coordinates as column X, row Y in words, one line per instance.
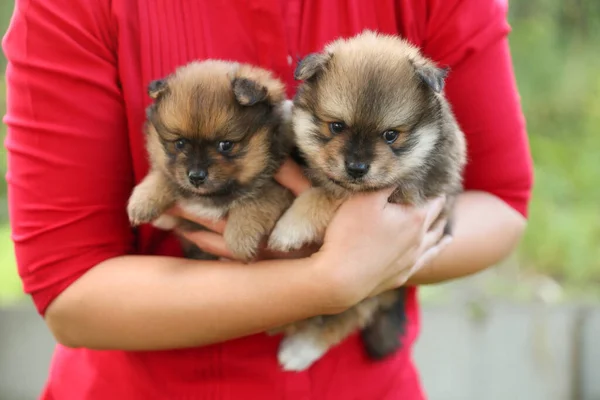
column 356, row 185
column 210, row 189
column 350, row 185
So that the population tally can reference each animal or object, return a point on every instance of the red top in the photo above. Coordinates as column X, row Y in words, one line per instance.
column 77, row 77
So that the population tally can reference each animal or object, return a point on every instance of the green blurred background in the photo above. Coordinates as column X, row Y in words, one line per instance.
column 556, row 57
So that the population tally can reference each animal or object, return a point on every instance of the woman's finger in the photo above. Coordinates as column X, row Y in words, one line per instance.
column 433, row 211
column 430, row 254
column 425, row 258
column 421, row 262
column 433, row 237
column 290, row 175
column 215, row 226
column 209, row 242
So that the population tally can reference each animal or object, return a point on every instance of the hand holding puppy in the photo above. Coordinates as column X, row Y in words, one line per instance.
column 370, row 246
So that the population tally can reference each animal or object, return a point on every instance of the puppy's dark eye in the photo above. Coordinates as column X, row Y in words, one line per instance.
column 390, row 136
column 225, row 147
column 336, row 127
column 180, row 144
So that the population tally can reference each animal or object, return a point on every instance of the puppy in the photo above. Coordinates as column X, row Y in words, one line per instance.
column 216, row 134
column 369, row 114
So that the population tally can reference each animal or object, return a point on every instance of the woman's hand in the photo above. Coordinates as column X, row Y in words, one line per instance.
column 372, row 245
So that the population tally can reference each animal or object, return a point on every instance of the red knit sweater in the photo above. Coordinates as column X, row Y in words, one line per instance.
column 77, row 77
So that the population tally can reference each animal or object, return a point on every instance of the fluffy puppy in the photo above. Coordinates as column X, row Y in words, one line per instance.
column 216, row 134
column 369, row 114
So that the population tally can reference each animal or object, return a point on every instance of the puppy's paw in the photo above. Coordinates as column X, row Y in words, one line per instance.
column 243, row 243
column 299, row 352
column 149, row 199
column 293, row 231
column 304, row 222
column 141, row 212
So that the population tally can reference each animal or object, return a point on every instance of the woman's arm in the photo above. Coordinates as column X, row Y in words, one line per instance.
column 70, row 170
column 486, row 231
column 470, row 36
column 153, row 303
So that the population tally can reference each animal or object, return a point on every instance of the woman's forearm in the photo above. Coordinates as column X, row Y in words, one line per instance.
column 154, row 303
column 486, row 230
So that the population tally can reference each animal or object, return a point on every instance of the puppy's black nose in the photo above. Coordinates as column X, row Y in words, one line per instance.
column 357, row 169
column 197, row 176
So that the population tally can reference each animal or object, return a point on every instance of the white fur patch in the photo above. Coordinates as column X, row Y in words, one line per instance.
column 291, row 232
column 165, row 222
column 302, row 123
column 303, row 128
column 298, row 352
column 428, row 137
column 286, row 109
column 203, row 211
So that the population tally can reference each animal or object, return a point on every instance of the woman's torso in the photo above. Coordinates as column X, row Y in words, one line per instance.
column 152, row 38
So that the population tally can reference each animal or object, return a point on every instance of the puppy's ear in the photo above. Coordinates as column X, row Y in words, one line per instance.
column 310, row 65
column 156, row 88
column 248, row 92
column 431, row 75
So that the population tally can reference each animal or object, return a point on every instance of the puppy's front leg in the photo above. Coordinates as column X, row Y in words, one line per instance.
column 251, row 221
column 149, row 199
column 305, row 221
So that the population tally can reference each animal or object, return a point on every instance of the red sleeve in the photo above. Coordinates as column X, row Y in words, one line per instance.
column 69, row 168
column 470, row 36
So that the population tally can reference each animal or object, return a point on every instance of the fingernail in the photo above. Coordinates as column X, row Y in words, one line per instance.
column 447, row 240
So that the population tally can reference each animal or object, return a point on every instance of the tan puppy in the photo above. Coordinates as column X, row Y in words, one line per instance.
column 216, row 133
column 369, row 115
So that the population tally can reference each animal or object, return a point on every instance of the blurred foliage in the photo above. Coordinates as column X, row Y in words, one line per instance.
column 557, row 63
column 556, row 58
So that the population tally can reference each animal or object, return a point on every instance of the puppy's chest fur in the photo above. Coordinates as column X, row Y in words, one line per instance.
column 216, row 207
column 205, row 208
column 211, row 207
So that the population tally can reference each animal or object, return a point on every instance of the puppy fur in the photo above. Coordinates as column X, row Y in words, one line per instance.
column 217, row 131
column 369, row 114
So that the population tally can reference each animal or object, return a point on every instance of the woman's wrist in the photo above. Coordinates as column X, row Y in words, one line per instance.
column 328, row 288
column 336, row 289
